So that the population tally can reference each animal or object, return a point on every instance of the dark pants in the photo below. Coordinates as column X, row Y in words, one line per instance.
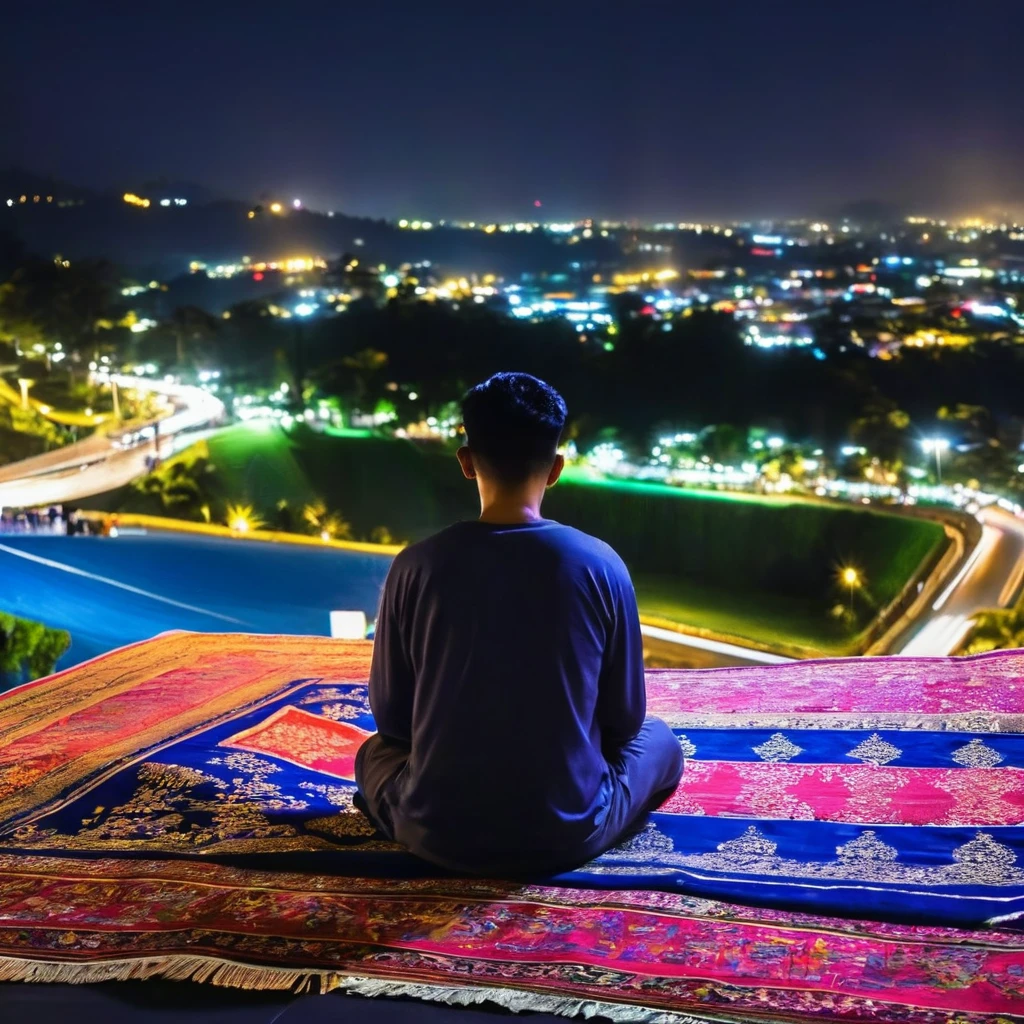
column 643, row 775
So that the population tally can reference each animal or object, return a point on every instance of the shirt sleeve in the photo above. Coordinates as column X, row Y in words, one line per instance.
column 622, row 693
column 392, row 680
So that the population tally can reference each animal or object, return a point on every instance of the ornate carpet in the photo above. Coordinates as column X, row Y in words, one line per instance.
column 846, row 844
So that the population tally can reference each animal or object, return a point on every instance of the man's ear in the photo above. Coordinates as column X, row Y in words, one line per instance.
column 465, row 457
column 556, row 470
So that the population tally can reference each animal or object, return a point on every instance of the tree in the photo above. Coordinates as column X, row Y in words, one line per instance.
column 882, row 429
column 724, row 443
column 326, row 523
column 49, row 302
column 356, row 377
column 193, row 329
column 996, row 630
column 974, row 421
column 29, row 649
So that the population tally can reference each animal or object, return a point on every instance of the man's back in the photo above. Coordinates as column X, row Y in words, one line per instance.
column 506, row 657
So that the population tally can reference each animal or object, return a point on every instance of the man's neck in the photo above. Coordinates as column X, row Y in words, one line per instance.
column 508, row 512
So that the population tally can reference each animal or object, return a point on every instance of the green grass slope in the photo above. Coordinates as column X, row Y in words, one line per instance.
column 756, row 568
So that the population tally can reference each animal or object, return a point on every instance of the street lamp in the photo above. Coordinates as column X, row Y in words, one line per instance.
column 24, row 383
column 851, row 578
column 938, row 445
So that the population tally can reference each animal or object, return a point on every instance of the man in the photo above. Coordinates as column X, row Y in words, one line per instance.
column 507, row 679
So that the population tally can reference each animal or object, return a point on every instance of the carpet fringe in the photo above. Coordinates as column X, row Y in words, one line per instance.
column 520, row 1001
column 208, row 970
column 228, row 974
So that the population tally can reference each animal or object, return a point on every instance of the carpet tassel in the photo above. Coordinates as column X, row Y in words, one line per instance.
column 280, row 979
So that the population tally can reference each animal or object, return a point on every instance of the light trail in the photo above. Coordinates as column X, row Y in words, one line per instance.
column 714, row 646
column 98, row 463
column 989, row 538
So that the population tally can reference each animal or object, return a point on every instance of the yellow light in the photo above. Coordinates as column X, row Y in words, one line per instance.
column 403, row 223
column 252, row 214
column 133, row 200
column 242, row 518
column 276, row 207
column 851, row 577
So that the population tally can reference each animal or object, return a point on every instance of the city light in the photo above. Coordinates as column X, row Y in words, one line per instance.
column 938, row 445
column 276, row 208
column 133, row 200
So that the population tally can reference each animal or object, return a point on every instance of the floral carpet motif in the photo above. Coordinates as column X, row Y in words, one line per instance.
column 183, row 807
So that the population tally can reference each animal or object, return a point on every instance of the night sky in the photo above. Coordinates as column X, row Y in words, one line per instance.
column 666, row 110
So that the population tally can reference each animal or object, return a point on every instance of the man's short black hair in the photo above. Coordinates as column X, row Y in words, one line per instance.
column 513, row 422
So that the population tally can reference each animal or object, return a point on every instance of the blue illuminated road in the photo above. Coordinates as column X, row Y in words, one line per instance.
column 110, row 592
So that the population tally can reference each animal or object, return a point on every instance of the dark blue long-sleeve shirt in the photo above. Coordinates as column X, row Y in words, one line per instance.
column 506, row 659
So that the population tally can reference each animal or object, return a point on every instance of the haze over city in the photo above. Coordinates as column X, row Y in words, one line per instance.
column 659, row 111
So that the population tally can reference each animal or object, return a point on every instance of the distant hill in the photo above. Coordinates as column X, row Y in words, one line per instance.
column 16, row 182
column 162, row 241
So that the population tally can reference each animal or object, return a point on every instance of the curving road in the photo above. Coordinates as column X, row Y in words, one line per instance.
column 108, row 592
column 990, row 578
column 98, row 464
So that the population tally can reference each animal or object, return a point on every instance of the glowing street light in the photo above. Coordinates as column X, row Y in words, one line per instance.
column 851, row 578
column 938, row 445
column 25, row 383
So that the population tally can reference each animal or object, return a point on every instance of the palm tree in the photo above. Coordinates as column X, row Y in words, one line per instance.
column 997, row 629
column 327, row 524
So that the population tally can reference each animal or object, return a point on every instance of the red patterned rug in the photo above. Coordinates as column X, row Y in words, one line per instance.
column 630, row 955
column 142, row 794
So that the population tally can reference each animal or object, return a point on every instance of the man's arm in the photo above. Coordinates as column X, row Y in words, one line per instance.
column 392, row 681
column 622, row 694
